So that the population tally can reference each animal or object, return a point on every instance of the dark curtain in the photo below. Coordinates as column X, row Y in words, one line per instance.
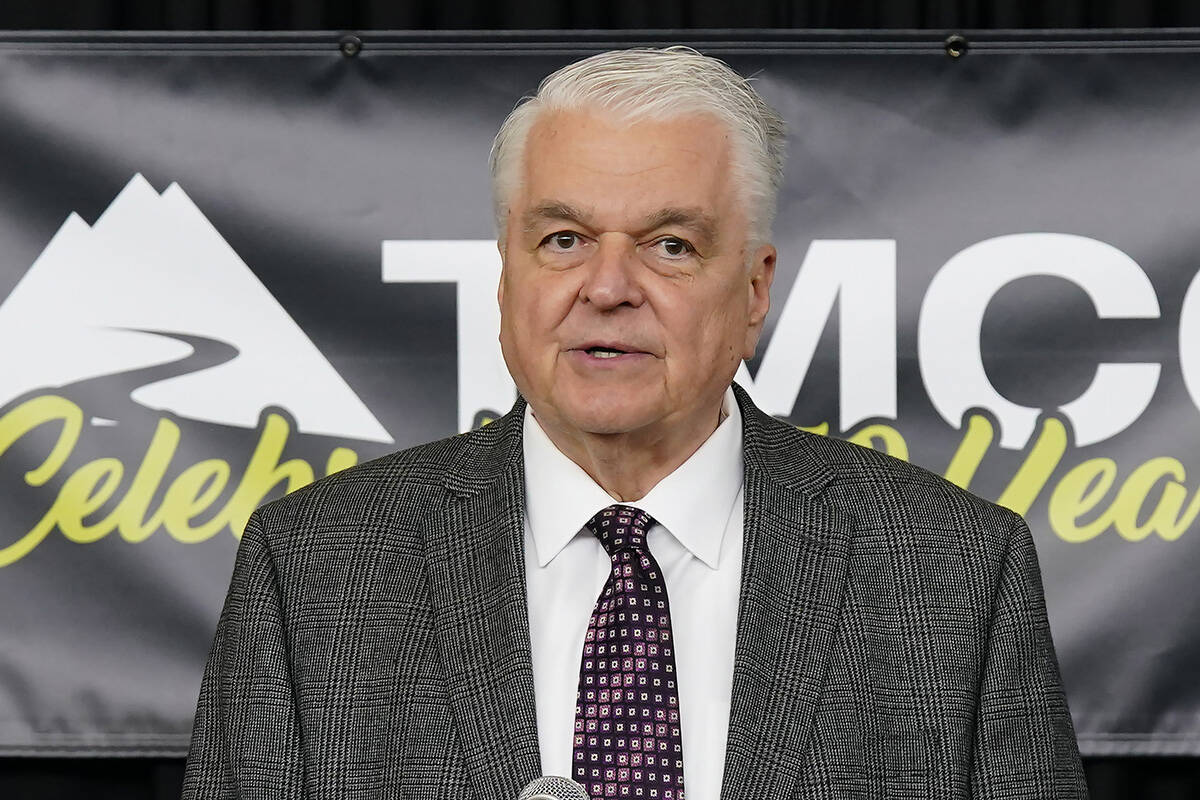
column 582, row 14
column 159, row 779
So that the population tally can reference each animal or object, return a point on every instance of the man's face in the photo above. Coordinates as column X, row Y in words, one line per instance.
column 628, row 297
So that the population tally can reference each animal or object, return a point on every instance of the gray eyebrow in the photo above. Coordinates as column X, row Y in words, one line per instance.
column 691, row 218
column 553, row 210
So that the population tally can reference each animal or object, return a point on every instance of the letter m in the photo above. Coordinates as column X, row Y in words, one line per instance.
column 860, row 275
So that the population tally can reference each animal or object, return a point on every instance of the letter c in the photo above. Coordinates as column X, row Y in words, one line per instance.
column 948, row 337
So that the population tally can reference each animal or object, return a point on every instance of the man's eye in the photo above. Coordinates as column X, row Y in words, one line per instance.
column 563, row 240
column 673, row 247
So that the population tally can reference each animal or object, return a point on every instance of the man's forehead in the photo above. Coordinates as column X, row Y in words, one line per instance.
column 581, row 166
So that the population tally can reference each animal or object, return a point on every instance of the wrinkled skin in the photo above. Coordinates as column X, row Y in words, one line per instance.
column 628, row 295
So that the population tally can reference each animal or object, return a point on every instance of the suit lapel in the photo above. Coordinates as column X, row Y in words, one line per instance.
column 793, row 578
column 476, row 563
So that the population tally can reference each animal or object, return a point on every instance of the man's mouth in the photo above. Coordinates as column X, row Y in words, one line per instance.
column 605, row 352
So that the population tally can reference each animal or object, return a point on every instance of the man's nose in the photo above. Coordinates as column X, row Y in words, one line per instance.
column 612, row 276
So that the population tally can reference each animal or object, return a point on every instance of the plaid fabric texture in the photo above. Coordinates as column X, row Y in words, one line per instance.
column 892, row 636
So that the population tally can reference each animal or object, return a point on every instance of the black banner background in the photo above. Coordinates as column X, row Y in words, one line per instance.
column 306, row 161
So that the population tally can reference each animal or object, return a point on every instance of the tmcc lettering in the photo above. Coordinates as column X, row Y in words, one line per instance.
column 860, row 276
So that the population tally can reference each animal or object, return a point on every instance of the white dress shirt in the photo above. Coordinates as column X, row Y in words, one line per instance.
column 698, row 544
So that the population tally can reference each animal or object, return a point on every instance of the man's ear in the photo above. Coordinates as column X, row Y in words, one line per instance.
column 758, row 294
column 500, row 283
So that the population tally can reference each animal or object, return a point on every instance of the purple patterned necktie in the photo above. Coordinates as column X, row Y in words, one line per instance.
column 627, row 742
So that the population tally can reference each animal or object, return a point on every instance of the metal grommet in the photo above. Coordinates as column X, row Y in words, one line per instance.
column 956, row 45
column 350, row 45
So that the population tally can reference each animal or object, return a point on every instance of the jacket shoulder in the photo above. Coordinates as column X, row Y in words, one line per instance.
column 881, row 492
column 865, row 471
column 393, row 494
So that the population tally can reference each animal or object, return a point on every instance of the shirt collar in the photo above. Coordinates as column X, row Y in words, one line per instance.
column 693, row 503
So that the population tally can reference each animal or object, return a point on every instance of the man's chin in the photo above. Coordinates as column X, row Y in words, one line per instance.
column 607, row 419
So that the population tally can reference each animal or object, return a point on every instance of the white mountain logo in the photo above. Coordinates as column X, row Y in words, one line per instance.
column 152, row 292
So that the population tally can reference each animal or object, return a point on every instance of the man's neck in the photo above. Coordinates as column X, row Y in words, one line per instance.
column 628, row 465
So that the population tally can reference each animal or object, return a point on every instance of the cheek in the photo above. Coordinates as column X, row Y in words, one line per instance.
column 713, row 334
column 539, row 307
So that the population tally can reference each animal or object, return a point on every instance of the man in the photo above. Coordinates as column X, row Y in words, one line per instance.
column 635, row 578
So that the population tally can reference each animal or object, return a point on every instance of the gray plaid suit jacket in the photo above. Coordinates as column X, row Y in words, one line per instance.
column 892, row 637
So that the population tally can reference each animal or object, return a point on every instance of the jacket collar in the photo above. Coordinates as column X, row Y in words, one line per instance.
column 793, row 576
column 476, row 567
column 793, row 579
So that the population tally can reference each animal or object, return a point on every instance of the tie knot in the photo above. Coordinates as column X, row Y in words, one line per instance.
column 621, row 527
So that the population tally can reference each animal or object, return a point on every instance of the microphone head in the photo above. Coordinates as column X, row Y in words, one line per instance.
column 552, row 787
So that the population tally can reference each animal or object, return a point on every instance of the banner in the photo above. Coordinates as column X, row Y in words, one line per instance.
column 231, row 265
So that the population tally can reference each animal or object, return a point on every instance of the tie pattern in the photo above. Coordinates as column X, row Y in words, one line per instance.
column 627, row 741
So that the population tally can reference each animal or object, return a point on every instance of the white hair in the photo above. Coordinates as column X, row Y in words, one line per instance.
column 644, row 83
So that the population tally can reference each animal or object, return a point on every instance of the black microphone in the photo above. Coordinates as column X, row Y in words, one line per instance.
column 552, row 787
